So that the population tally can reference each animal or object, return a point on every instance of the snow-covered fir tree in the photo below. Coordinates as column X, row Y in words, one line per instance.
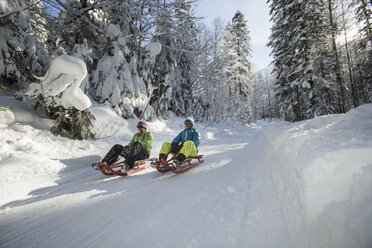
column 185, row 51
column 238, row 68
column 174, row 73
column 363, row 52
column 300, row 51
column 165, row 63
column 336, row 64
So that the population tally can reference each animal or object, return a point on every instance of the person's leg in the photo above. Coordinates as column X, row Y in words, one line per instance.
column 138, row 152
column 164, row 150
column 113, row 154
column 188, row 150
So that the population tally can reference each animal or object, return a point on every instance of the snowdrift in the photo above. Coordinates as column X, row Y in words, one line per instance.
column 322, row 171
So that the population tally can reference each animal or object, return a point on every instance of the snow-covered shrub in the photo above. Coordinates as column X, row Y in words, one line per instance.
column 60, row 95
column 73, row 124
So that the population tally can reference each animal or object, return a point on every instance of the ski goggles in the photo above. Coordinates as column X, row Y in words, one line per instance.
column 140, row 126
column 188, row 122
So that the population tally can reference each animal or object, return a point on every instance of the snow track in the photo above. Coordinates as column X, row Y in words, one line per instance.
column 305, row 184
column 226, row 202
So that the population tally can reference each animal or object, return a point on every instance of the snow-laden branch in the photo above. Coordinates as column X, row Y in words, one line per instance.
column 180, row 50
column 18, row 10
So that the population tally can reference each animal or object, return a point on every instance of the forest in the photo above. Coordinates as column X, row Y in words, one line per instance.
column 322, row 55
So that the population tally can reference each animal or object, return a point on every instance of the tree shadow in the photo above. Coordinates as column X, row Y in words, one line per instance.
column 78, row 176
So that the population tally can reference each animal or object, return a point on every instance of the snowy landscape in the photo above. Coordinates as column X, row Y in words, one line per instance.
column 270, row 184
column 287, row 148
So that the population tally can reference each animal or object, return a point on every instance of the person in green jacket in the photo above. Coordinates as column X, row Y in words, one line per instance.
column 138, row 148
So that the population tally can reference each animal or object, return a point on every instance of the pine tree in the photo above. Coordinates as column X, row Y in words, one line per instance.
column 363, row 51
column 238, row 69
column 165, row 61
column 300, row 49
column 184, row 74
column 336, row 66
column 175, row 71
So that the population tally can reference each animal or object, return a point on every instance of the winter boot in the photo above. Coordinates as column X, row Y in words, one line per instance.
column 125, row 168
column 162, row 156
column 95, row 166
column 175, row 164
column 153, row 164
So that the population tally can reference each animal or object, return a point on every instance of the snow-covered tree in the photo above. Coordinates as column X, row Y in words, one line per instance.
column 265, row 103
column 117, row 81
column 301, row 55
column 216, row 78
column 210, row 87
column 21, row 33
column 165, row 61
column 363, row 52
column 185, row 45
column 335, row 66
column 238, row 68
column 174, row 75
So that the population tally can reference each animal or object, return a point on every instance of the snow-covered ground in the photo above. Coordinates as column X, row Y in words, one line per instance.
column 279, row 184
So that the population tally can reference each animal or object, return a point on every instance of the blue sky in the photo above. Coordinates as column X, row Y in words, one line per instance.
column 256, row 13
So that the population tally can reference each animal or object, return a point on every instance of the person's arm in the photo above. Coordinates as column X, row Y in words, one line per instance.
column 196, row 138
column 178, row 138
column 147, row 142
column 132, row 141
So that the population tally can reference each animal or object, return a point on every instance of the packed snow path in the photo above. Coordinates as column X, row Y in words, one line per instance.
column 228, row 201
column 305, row 184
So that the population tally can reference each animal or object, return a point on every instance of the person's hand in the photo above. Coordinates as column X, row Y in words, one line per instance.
column 176, row 147
column 125, row 151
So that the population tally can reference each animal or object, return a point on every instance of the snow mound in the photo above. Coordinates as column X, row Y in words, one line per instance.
column 62, row 82
column 6, row 117
column 322, row 171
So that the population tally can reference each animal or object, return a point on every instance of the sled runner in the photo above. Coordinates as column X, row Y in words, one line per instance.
column 115, row 168
column 189, row 163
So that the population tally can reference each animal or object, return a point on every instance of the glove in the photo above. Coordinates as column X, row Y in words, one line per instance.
column 176, row 147
column 125, row 151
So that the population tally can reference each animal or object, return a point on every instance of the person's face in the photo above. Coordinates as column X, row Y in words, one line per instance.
column 188, row 124
column 141, row 128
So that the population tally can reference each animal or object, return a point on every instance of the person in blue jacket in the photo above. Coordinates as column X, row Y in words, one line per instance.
column 185, row 144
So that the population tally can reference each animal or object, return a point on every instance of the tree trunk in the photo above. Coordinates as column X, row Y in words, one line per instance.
column 339, row 80
column 298, row 114
column 354, row 94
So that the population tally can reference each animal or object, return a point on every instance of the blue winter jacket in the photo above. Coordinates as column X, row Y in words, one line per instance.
column 188, row 134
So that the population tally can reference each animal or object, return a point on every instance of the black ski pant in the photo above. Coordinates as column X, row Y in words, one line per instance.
column 137, row 152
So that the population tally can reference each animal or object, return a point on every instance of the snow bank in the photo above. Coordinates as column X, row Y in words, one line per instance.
column 62, row 83
column 6, row 117
column 322, row 170
column 27, row 152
